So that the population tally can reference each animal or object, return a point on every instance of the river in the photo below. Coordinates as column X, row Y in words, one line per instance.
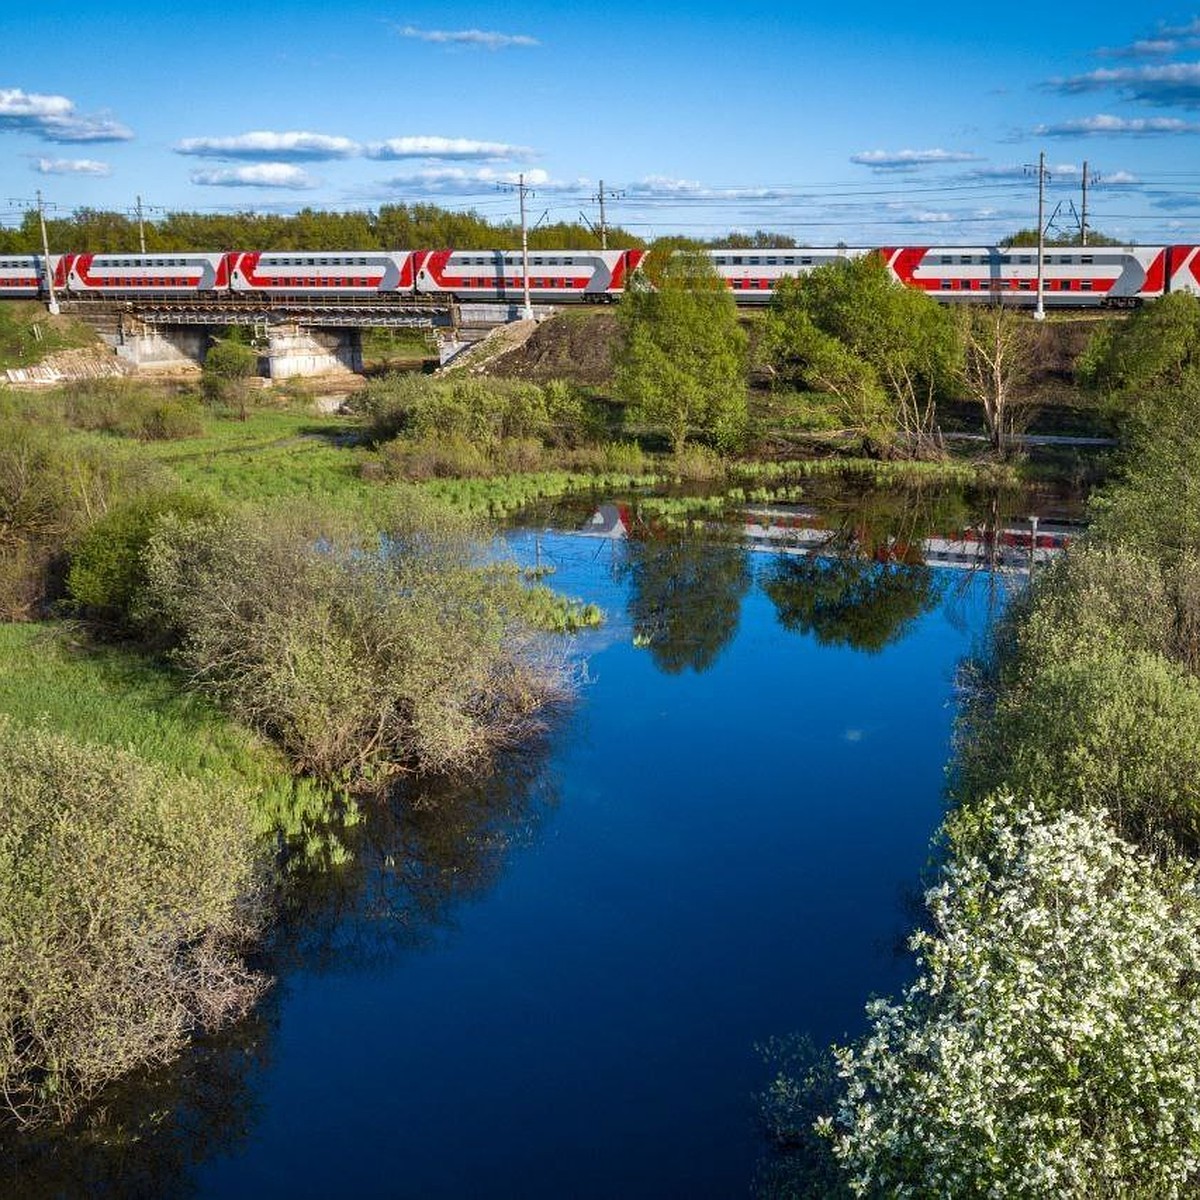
column 554, row 984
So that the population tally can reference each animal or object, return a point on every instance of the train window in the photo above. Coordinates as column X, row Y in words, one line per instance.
column 1025, row 285
column 966, row 259
column 1026, row 258
column 568, row 261
column 1087, row 260
column 771, row 261
column 806, row 262
column 945, row 285
column 1086, row 285
column 945, row 258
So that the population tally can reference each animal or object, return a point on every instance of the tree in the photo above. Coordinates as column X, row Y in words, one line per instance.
column 890, row 341
column 1048, row 1044
column 228, row 366
column 997, row 345
column 683, row 355
column 1157, row 347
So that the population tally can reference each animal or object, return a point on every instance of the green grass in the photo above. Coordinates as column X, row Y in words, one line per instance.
column 28, row 333
column 272, row 455
column 508, row 494
column 112, row 697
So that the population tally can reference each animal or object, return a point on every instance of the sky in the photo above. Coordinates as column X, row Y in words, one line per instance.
column 863, row 123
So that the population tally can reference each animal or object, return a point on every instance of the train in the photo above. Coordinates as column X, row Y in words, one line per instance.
column 1075, row 277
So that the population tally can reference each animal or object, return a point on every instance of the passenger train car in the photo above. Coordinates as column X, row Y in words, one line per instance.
column 1077, row 277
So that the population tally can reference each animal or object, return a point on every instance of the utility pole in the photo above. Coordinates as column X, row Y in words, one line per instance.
column 140, row 211
column 523, row 190
column 53, row 302
column 1083, row 221
column 599, row 198
column 1039, row 313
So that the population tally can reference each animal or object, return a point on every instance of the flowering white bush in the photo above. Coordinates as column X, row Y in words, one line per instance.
column 1050, row 1045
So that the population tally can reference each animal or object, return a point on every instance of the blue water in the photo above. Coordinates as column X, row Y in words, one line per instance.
column 703, row 860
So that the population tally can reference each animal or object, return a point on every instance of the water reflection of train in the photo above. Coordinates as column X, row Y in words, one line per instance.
column 798, row 529
column 1013, row 547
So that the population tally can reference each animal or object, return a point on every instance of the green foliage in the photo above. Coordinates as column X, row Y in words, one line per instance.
column 51, row 486
column 126, row 894
column 146, row 412
column 358, row 650
column 1083, row 703
column 106, row 574
column 683, row 356
column 1047, row 1046
column 392, row 227
column 1029, row 237
column 28, row 334
column 883, row 350
column 482, row 412
column 1156, row 350
column 1155, row 502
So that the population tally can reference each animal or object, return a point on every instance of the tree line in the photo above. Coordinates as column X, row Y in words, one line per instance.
column 391, row 227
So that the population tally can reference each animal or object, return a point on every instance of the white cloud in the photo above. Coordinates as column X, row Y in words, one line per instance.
column 1165, row 84
column 471, row 181
column 1024, row 171
column 445, row 147
column 664, row 187
column 1103, row 125
column 296, row 146
column 467, row 37
column 909, row 160
column 267, row 175
column 54, row 119
column 71, row 166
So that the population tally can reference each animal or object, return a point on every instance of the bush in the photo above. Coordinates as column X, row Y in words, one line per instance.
column 149, row 414
column 126, row 892
column 355, row 651
column 106, row 573
column 1083, row 703
column 1048, row 1045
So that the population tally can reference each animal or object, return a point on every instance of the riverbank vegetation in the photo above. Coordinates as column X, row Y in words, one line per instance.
column 211, row 678
column 1047, row 1046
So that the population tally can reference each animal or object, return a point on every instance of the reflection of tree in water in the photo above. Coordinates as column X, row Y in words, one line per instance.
column 143, row 1135
column 419, row 853
column 685, row 597
column 870, row 581
column 845, row 601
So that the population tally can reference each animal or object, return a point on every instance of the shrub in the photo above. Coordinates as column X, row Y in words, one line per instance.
column 106, row 572
column 356, row 651
column 1048, row 1044
column 126, row 892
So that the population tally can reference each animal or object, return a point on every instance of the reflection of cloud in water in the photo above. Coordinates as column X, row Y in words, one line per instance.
column 854, row 735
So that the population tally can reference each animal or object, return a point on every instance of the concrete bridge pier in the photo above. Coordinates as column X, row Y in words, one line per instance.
column 159, row 347
column 294, row 351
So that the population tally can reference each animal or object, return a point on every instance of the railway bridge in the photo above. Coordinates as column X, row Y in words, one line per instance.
column 297, row 336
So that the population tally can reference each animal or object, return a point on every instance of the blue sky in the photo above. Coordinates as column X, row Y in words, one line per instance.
column 861, row 122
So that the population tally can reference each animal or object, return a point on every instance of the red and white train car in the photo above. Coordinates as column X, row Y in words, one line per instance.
column 21, row 275
column 323, row 273
column 163, row 275
column 753, row 274
column 1076, row 277
column 555, row 276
